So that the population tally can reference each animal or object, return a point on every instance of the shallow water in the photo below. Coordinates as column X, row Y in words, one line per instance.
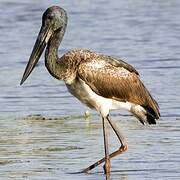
column 62, row 141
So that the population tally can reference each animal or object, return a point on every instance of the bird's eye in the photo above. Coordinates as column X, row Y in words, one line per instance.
column 50, row 17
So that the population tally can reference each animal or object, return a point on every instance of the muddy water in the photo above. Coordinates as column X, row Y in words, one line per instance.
column 44, row 133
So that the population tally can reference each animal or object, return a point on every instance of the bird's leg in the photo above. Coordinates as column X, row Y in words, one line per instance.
column 122, row 148
column 107, row 158
column 118, row 133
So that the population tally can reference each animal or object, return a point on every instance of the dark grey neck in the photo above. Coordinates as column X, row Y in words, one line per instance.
column 52, row 62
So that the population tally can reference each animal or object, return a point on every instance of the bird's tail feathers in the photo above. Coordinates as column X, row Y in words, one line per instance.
column 143, row 114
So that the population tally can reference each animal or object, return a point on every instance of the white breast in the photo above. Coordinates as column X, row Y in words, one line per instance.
column 85, row 94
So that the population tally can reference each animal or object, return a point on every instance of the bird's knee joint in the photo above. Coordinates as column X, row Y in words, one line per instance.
column 124, row 147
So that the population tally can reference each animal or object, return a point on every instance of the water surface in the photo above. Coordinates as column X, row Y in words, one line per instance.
column 61, row 140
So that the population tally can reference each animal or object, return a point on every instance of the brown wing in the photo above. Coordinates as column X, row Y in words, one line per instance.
column 119, row 63
column 117, row 82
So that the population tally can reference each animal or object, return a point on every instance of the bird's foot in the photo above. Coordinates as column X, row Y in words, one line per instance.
column 97, row 163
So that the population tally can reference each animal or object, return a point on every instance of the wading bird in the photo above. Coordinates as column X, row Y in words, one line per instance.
column 101, row 82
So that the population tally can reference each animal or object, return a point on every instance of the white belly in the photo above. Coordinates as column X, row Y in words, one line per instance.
column 84, row 93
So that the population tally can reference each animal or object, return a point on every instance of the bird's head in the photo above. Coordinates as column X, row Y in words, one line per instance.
column 54, row 20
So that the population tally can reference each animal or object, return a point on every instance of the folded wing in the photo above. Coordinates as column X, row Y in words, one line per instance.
column 117, row 80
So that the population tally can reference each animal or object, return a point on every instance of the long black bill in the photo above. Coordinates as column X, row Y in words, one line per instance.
column 38, row 48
